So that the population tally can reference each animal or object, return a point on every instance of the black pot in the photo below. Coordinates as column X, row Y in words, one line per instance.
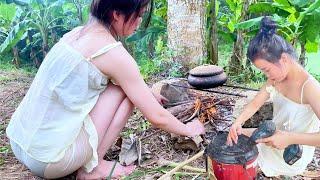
column 206, row 82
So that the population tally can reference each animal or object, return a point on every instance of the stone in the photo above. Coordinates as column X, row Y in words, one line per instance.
column 264, row 113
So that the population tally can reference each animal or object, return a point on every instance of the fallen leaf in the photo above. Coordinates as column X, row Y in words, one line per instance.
column 130, row 151
column 187, row 143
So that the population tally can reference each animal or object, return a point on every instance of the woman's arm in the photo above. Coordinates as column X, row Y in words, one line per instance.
column 119, row 65
column 251, row 108
column 282, row 139
column 249, row 111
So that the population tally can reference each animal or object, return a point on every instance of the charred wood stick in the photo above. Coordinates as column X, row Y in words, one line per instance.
column 208, row 90
column 176, row 110
column 225, row 104
column 196, row 112
column 240, row 87
column 167, row 105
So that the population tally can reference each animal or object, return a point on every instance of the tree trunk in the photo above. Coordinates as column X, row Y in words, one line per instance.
column 16, row 59
column 78, row 5
column 213, row 37
column 236, row 65
column 302, row 58
column 186, row 31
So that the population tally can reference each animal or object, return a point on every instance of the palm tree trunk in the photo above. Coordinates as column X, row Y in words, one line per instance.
column 186, row 31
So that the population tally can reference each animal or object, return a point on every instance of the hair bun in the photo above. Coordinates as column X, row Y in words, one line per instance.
column 268, row 26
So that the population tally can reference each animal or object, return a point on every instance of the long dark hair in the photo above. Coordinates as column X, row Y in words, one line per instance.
column 102, row 9
column 268, row 45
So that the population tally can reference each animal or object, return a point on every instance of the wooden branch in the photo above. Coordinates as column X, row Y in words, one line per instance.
column 196, row 112
column 187, row 173
column 169, row 174
column 164, row 162
column 240, row 87
column 209, row 90
column 176, row 110
column 168, row 105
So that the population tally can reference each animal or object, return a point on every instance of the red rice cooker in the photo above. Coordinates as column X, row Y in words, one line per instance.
column 237, row 162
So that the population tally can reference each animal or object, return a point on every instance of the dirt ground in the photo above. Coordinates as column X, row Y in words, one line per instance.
column 155, row 144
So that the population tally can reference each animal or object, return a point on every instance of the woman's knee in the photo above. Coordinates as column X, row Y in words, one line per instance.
column 129, row 104
column 114, row 90
column 108, row 103
column 124, row 112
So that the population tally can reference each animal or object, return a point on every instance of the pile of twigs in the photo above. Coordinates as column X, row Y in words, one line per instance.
column 207, row 109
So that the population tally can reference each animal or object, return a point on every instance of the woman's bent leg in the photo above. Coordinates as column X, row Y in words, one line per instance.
column 117, row 124
column 108, row 130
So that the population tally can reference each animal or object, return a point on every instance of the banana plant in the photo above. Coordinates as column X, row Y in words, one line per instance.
column 143, row 39
column 11, row 36
column 37, row 26
column 236, row 13
column 298, row 22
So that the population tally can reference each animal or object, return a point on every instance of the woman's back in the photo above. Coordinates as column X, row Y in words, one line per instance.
column 57, row 104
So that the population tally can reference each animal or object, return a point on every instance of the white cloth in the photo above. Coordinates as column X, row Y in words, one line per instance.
column 57, row 105
column 288, row 116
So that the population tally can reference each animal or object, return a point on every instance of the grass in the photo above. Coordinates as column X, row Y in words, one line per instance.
column 141, row 173
column 8, row 67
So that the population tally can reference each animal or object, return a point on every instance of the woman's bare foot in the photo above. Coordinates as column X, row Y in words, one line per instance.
column 103, row 170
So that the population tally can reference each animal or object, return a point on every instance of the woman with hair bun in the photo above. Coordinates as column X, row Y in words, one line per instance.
column 82, row 97
column 296, row 103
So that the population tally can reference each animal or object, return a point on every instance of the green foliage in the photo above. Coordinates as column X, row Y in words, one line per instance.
column 38, row 25
column 250, row 75
column 17, row 33
column 159, row 63
column 317, row 76
column 262, row 7
column 299, row 23
column 149, row 46
column 7, row 12
column 229, row 21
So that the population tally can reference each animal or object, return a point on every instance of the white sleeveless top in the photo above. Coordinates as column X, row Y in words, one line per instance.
column 57, row 105
column 288, row 116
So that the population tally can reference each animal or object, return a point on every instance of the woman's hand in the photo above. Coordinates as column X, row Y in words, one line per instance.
column 195, row 127
column 235, row 130
column 280, row 140
column 162, row 100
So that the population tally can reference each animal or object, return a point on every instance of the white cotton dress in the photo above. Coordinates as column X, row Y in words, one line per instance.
column 52, row 123
column 288, row 116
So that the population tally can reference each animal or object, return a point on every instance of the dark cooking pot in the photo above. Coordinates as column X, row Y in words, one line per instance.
column 206, row 76
column 206, row 82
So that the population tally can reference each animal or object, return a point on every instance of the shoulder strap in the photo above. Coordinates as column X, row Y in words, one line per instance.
column 302, row 90
column 104, row 50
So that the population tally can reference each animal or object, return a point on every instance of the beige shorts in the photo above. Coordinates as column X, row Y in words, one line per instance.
column 76, row 156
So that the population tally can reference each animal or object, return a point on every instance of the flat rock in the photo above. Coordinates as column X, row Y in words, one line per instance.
column 264, row 113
